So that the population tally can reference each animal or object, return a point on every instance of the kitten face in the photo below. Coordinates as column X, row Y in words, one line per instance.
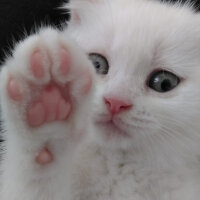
column 138, row 40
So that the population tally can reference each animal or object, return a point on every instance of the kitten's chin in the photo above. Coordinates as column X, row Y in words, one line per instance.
column 112, row 130
column 111, row 135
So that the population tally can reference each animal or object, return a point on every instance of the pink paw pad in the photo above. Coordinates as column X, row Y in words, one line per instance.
column 36, row 114
column 44, row 157
column 36, row 64
column 14, row 90
column 53, row 102
column 50, row 106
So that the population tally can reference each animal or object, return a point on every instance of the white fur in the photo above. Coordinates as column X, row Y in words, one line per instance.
column 161, row 159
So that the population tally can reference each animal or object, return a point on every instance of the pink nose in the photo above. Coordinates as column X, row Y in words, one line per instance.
column 115, row 106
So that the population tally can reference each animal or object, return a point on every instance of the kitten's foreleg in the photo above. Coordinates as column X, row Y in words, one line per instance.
column 46, row 90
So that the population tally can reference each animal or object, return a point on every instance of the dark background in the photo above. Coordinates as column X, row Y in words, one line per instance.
column 19, row 18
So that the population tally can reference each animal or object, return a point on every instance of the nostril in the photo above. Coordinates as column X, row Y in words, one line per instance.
column 115, row 106
column 127, row 106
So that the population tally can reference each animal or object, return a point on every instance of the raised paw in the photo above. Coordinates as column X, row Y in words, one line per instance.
column 46, row 79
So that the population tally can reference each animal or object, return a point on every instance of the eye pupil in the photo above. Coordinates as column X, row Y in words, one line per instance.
column 166, row 85
column 97, row 65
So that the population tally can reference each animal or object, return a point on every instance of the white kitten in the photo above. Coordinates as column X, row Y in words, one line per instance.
column 131, row 132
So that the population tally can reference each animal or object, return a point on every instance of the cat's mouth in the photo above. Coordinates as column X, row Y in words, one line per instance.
column 111, row 128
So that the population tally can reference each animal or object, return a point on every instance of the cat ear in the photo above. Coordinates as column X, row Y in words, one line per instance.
column 79, row 8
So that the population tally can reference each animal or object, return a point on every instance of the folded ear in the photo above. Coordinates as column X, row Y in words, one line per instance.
column 79, row 9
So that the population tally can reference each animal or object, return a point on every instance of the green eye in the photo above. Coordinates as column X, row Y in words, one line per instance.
column 100, row 63
column 163, row 81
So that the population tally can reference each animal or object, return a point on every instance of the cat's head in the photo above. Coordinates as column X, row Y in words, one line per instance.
column 147, row 56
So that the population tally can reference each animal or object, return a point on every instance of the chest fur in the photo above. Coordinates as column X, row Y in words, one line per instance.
column 101, row 178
